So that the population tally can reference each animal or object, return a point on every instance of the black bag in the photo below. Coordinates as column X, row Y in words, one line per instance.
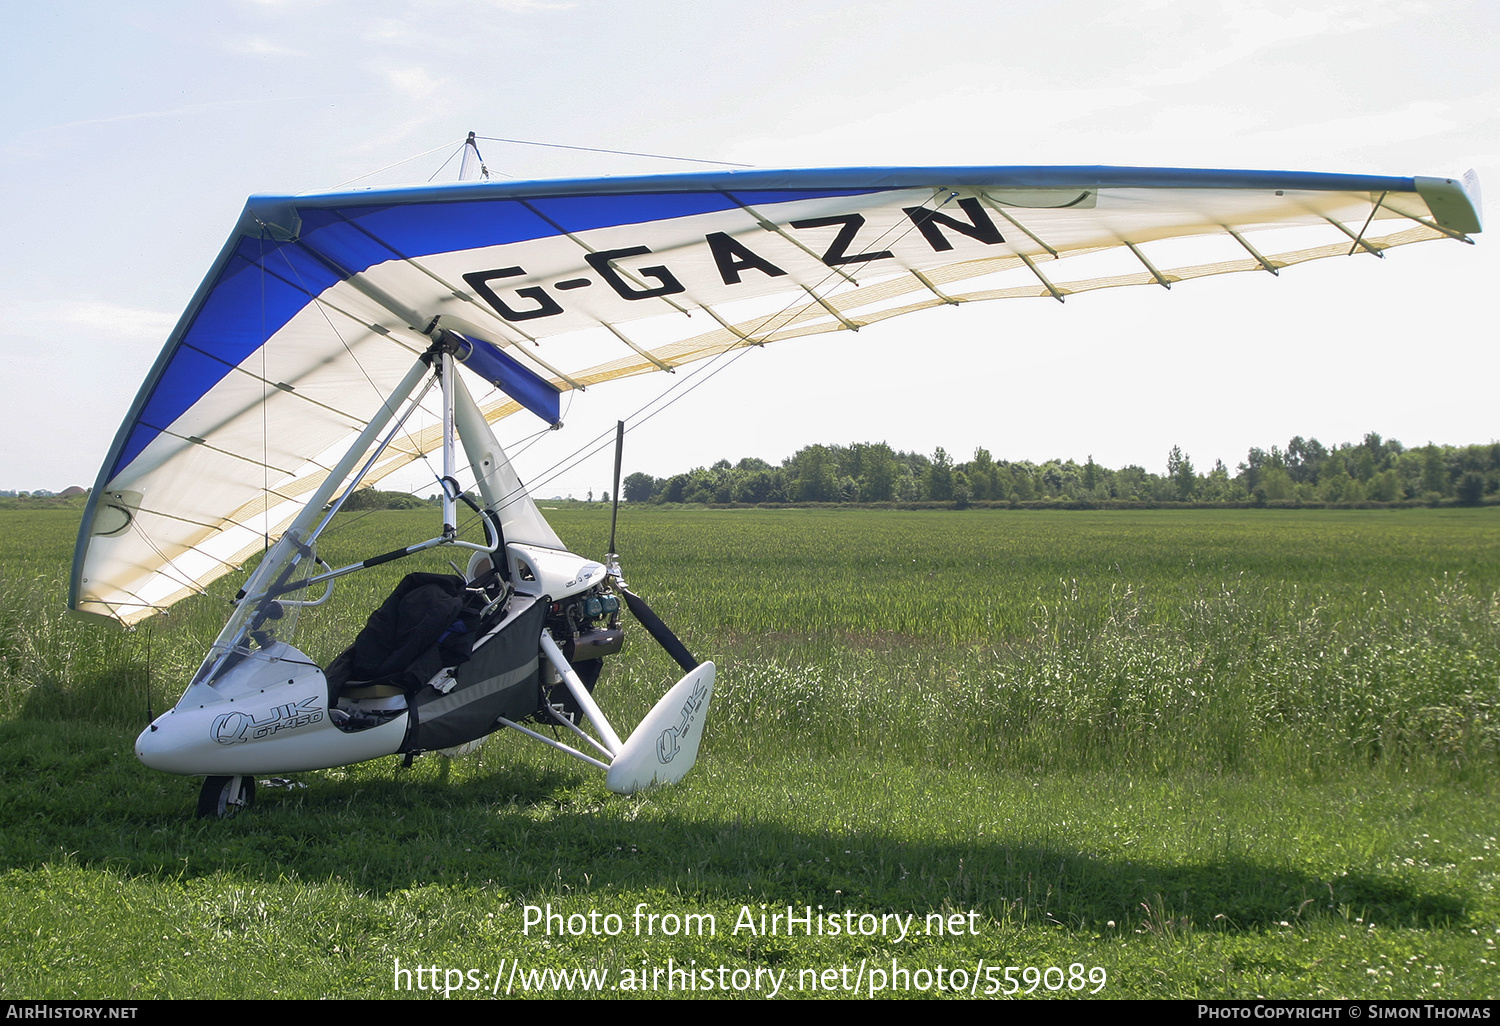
column 430, row 621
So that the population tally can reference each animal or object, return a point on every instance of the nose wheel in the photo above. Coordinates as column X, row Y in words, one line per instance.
column 223, row 797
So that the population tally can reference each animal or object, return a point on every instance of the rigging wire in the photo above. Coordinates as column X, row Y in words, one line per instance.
column 448, row 161
column 384, row 399
column 265, row 428
column 530, row 142
column 404, row 160
column 618, row 153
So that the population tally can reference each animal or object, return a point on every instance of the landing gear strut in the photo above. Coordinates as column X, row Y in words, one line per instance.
column 223, row 797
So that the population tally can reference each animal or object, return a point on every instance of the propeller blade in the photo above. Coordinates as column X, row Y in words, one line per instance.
column 614, row 512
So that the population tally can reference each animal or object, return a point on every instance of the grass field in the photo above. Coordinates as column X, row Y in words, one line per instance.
column 1154, row 754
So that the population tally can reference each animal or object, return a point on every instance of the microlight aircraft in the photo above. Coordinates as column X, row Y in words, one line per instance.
column 299, row 371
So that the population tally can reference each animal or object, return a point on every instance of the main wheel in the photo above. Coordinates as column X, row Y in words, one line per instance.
column 222, row 797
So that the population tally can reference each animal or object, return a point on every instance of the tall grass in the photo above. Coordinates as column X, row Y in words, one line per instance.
column 1023, row 642
column 1241, row 681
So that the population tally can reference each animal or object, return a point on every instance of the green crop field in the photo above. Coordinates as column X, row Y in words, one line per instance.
column 1156, row 754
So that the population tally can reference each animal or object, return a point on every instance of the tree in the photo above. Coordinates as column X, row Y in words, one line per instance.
column 1254, row 466
column 700, row 487
column 1471, row 488
column 374, row 498
column 1025, row 484
column 1216, row 487
column 1434, row 474
column 676, row 488
column 641, row 488
column 880, row 472
column 1276, row 485
column 1336, row 487
column 940, row 476
column 814, row 475
column 982, row 476
column 1386, row 486
column 1180, row 473
column 758, row 486
column 908, row 488
column 1304, row 459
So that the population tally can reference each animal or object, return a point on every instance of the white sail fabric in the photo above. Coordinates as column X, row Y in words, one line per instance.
column 319, row 304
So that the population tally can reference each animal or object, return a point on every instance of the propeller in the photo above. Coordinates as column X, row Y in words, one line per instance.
column 637, row 605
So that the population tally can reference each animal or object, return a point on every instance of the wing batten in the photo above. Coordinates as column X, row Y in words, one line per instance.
column 1264, row 263
column 1156, row 275
column 1052, row 289
column 1021, row 227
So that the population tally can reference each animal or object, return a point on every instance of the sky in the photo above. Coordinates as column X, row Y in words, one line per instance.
column 133, row 132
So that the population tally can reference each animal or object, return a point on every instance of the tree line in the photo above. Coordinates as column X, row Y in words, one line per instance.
column 1373, row 470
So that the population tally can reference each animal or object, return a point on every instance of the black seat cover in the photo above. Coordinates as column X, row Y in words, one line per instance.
column 430, row 621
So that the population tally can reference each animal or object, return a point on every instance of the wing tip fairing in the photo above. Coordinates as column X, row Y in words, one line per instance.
column 271, row 215
column 1454, row 202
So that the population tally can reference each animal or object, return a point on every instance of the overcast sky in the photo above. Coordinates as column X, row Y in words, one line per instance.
column 132, row 133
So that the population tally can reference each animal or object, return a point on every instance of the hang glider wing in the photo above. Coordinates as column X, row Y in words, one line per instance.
column 318, row 304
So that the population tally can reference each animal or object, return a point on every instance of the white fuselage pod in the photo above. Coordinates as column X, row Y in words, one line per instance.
column 554, row 572
column 266, row 714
